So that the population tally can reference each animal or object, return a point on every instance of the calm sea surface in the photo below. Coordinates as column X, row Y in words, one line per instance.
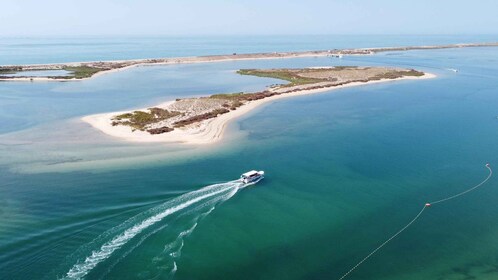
column 345, row 169
column 31, row 50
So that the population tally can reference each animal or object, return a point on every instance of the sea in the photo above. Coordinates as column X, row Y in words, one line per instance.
column 345, row 169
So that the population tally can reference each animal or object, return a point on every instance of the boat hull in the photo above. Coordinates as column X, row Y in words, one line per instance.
column 252, row 177
column 252, row 181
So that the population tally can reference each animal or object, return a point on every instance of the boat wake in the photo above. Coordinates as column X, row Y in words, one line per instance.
column 180, row 215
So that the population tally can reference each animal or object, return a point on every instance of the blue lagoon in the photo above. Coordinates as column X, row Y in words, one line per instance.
column 345, row 170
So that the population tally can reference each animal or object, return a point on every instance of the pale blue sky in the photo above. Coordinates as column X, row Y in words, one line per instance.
column 222, row 17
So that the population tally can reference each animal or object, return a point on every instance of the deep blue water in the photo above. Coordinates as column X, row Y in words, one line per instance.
column 345, row 170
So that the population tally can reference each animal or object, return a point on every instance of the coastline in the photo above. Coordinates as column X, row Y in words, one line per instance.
column 165, row 61
column 106, row 67
column 212, row 130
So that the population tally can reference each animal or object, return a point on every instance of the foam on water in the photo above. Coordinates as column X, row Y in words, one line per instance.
column 213, row 193
column 165, row 262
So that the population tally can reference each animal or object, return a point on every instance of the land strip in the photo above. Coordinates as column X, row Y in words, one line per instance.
column 85, row 70
column 202, row 120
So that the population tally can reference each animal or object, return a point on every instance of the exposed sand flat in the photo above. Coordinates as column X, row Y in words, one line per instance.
column 117, row 65
column 211, row 130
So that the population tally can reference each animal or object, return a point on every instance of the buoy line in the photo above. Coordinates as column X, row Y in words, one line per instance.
column 426, row 205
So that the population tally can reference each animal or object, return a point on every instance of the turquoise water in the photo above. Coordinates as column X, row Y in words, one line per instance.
column 345, row 170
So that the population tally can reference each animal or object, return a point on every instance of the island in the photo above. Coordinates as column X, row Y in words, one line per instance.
column 83, row 70
column 202, row 120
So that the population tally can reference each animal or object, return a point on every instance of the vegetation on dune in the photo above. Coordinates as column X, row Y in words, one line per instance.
column 397, row 74
column 160, row 130
column 198, row 118
column 233, row 100
column 334, row 68
column 283, row 74
column 297, row 76
column 228, row 96
column 140, row 119
column 80, row 72
column 12, row 70
column 412, row 72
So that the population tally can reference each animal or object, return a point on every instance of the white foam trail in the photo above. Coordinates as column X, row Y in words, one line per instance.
column 80, row 270
column 172, row 251
column 173, row 270
column 142, row 239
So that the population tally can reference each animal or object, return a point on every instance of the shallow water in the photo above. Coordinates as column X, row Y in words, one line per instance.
column 345, row 170
column 41, row 73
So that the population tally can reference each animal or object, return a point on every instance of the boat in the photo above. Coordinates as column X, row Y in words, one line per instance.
column 252, row 176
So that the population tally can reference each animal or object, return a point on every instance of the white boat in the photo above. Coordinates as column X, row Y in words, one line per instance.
column 252, row 176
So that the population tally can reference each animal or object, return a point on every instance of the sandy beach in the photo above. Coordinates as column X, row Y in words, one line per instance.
column 208, row 131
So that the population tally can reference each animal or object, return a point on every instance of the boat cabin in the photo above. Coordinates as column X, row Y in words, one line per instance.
column 250, row 174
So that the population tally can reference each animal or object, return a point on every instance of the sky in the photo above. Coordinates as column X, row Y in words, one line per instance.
column 246, row 17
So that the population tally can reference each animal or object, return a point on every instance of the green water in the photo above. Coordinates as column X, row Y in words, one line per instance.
column 345, row 170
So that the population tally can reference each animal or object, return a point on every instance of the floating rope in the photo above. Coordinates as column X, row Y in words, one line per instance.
column 426, row 205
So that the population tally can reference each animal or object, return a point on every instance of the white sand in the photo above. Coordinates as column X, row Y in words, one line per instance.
column 208, row 131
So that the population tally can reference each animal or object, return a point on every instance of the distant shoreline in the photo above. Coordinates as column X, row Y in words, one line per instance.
column 210, row 131
column 86, row 70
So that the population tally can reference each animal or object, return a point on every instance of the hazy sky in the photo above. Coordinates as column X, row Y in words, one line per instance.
column 221, row 17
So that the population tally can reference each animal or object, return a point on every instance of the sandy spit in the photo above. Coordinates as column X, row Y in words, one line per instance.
column 208, row 131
